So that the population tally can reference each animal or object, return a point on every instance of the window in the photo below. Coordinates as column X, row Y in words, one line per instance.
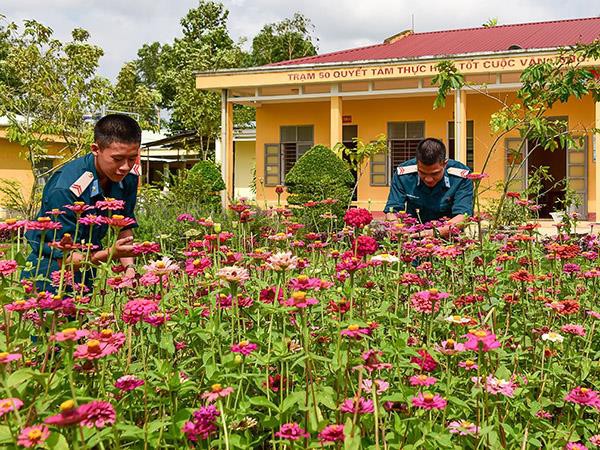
column 470, row 142
column 403, row 138
column 281, row 157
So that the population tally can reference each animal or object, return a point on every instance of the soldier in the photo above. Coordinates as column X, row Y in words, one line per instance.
column 103, row 174
column 431, row 186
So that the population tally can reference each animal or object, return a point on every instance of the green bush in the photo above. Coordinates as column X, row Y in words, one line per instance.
column 203, row 182
column 317, row 175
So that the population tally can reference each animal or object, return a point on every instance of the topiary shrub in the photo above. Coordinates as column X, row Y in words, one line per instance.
column 318, row 175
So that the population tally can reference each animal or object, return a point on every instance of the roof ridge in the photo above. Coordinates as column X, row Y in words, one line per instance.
column 508, row 25
column 337, row 52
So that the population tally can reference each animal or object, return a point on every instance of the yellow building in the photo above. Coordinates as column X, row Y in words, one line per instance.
column 387, row 89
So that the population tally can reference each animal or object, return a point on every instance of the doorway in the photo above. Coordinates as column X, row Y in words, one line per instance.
column 552, row 191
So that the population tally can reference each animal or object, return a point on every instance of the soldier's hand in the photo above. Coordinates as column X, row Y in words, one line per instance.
column 123, row 247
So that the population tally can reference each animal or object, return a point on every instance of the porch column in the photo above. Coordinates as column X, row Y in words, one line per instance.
column 226, row 148
column 460, row 126
column 596, row 146
column 335, row 121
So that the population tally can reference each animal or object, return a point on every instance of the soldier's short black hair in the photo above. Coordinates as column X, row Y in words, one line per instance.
column 117, row 128
column 431, row 151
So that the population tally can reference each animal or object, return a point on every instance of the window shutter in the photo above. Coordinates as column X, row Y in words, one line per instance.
column 272, row 165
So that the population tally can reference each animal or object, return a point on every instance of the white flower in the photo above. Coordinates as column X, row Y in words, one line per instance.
column 282, row 261
column 162, row 267
column 458, row 319
column 233, row 274
column 552, row 337
column 385, row 258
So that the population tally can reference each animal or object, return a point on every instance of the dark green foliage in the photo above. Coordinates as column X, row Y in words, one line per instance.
column 319, row 174
column 202, row 183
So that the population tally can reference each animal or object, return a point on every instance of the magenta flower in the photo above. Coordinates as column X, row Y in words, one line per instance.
column 194, row 267
column 292, row 432
column 574, row 329
column 216, row 392
column 422, row 380
column 371, row 359
column 354, row 331
column 6, row 357
column 299, row 300
column 136, row 310
column 332, row 433
column 358, row 217
column 110, row 204
column 358, row 405
column 33, row 436
column 463, row 427
column 78, row 207
column 583, row 396
column 9, row 404
column 481, row 338
column 128, row 383
column 449, row 347
column 97, row 414
column 7, row 267
column 146, row 247
column 202, row 423
column 429, row 401
column 69, row 414
column 427, row 302
column 380, row 385
column 575, row 446
column 94, row 349
column 69, row 334
column 244, row 347
column 468, row 365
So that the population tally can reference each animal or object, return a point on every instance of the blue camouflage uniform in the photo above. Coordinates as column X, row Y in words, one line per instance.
column 451, row 196
column 76, row 181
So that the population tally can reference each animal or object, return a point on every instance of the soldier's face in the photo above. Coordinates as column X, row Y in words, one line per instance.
column 432, row 174
column 116, row 160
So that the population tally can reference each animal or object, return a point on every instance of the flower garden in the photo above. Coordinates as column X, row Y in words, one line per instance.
column 366, row 336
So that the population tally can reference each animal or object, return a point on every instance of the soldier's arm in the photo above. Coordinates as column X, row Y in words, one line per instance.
column 396, row 198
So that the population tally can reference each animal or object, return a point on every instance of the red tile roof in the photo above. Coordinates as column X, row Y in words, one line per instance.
column 538, row 35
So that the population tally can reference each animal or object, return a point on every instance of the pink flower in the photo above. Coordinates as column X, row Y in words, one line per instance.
column 595, row 440
column 463, row 427
column 43, row 224
column 146, row 247
column 244, row 347
column 476, row 176
column 583, row 396
column 118, row 221
column 371, row 359
column 6, row 357
column 299, row 300
column 216, row 391
column 7, row 267
column 449, row 347
column 156, row 319
column 136, row 310
column 468, row 365
column 78, row 207
column 291, row 431
column 577, row 330
column 575, row 446
column 108, row 337
column 358, row 217
column 202, row 423
column 425, row 362
column 69, row 415
column 422, row 380
column 69, row 334
column 481, row 338
column 427, row 301
column 380, row 385
column 9, row 404
column 33, row 436
column 128, row 383
column 429, row 401
column 354, row 331
column 194, row 267
column 165, row 266
column 497, row 386
column 332, row 433
column 94, row 349
column 282, row 261
column 110, row 204
column 97, row 414
column 120, row 282
column 91, row 219
column 358, row 405
column 234, row 274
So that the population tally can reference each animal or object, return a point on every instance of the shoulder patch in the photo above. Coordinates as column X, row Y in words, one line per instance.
column 407, row 169
column 458, row 172
column 136, row 169
column 82, row 183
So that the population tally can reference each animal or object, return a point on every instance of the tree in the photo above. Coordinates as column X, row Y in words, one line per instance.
column 130, row 94
column 289, row 39
column 53, row 86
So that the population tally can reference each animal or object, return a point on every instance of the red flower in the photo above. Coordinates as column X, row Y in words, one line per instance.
column 425, row 362
column 365, row 245
column 358, row 217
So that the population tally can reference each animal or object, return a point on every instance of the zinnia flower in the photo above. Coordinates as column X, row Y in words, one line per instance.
column 69, row 415
column 429, row 401
column 483, row 339
column 110, row 204
column 9, row 404
column 282, row 261
column 358, row 217
column 380, row 385
column 570, row 328
column 94, row 349
column 69, row 334
column 33, row 436
column 358, row 405
column 422, row 380
column 128, row 383
column 299, row 300
column 291, row 431
column 202, row 423
column 234, row 274
column 97, row 414
column 332, row 433
column 427, row 301
column 165, row 266
column 575, row 446
column 462, row 427
column 136, row 310
column 354, row 331
column 216, row 391
column 552, row 337
column 244, row 347
column 583, row 396
column 7, row 267
column 6, row 357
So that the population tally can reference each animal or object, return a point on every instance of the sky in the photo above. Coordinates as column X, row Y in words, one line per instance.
column 121, row 27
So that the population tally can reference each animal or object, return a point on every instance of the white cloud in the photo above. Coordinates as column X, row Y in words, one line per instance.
column 121, row 27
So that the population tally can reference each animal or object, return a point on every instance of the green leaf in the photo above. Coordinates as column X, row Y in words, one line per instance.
column 57, row 441
column 264, row 401
column 19, row 377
